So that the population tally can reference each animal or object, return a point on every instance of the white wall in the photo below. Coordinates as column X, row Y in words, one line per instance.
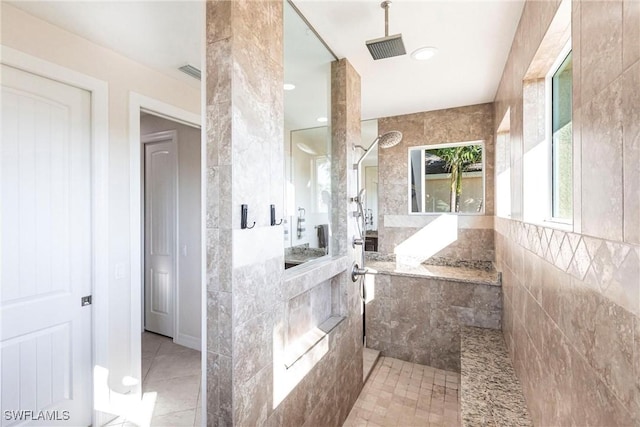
column 38, row 38
column 189, row 238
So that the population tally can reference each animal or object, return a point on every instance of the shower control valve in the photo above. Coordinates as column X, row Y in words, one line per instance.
column 356, row 272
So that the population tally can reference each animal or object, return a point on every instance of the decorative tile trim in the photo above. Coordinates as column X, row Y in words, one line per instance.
column 612, row 267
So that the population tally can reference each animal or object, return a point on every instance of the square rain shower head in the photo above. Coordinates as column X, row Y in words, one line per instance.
column 386, row 47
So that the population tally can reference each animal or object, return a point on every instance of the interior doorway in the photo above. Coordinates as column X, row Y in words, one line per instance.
column 172, row 240
column 168, row 233
column 158, row 367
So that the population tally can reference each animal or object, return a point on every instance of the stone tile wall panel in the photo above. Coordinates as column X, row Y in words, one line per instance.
column 470, row 123
column 246, row 306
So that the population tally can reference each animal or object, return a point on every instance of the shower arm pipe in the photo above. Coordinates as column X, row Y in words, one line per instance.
column 357, row 164
column 386, row 5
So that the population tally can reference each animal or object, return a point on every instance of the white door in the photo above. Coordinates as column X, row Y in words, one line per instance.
column 45, row 195
column 160, row 186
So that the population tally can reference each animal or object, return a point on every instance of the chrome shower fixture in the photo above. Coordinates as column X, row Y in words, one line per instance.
column 390, row 139
column 386, row 140
column 387, row 46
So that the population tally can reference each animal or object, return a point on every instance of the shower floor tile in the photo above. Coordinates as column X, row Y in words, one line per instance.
column 406, row 394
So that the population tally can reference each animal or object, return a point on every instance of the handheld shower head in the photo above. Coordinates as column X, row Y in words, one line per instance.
column 390, row 139
column 361, row 195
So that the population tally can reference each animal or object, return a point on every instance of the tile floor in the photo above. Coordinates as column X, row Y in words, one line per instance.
column 173, row 372
column 407, row 394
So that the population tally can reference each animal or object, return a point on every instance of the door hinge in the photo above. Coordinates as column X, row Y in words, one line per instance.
column 85, row 300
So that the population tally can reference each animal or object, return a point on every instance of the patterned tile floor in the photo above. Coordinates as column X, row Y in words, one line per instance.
column 407, row 394
column 171, row 373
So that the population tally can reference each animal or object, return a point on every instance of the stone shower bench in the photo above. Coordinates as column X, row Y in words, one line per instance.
column 490, row 393
column 445, row 272
column 414, row 313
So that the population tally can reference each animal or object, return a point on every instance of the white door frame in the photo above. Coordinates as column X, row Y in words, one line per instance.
column 99, row 90
column 139, row 103
column 171, row 135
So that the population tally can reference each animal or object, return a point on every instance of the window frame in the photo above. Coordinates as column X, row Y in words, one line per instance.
column 422, row 149
column 550, row 218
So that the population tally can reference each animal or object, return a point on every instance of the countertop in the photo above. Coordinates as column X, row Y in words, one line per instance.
column 490, row 394
column 458, row 274
column 301, row 254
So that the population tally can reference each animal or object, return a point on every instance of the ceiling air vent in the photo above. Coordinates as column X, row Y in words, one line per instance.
column 191, row 70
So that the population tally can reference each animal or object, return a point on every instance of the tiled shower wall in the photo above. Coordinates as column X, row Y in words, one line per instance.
column 418, row 319
column 474, row 240
column 244, row 267
column 249, row 296
column 572, row 299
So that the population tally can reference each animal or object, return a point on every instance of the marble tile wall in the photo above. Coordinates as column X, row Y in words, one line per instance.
column 244, row 267
column 308, row 310
column 571, row 305
column 418, row 319
column 572, row 299
column 247, row 295
column 324, row 394
column 470, row 123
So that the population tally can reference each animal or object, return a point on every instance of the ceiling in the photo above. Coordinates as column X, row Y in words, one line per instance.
column 163, row 35
column 473, row 38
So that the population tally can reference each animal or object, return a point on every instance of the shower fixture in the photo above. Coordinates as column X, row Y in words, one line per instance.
column 387, row 46
column 384, row 141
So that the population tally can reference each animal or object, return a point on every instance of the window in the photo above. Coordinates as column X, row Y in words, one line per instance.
column 447, row 178
column 503, row 167
column 561, row 141
column 543, row 158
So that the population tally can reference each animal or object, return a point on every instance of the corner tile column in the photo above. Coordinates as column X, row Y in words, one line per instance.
column 345, row 131
column 346, row 119
column 244, row 164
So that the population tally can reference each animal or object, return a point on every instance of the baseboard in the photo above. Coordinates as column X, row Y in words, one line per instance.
column 187, row 341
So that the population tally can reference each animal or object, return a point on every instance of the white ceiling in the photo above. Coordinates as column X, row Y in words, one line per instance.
column 163, row 35
column 473, row 38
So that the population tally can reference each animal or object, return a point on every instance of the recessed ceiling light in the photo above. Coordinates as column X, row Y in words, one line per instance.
column 424, row 53
column 322, row 119
column 289, row 86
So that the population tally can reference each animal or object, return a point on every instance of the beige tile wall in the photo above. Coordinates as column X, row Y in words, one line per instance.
column 418, row 319
column 247, row 294
column 572, row 299
column 470, row 123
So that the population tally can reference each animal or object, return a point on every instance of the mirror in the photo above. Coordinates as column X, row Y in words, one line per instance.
column 369, row 181
column 307, row 101
column 447, row 178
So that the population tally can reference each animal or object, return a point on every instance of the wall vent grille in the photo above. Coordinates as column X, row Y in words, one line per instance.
column 191, row 70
